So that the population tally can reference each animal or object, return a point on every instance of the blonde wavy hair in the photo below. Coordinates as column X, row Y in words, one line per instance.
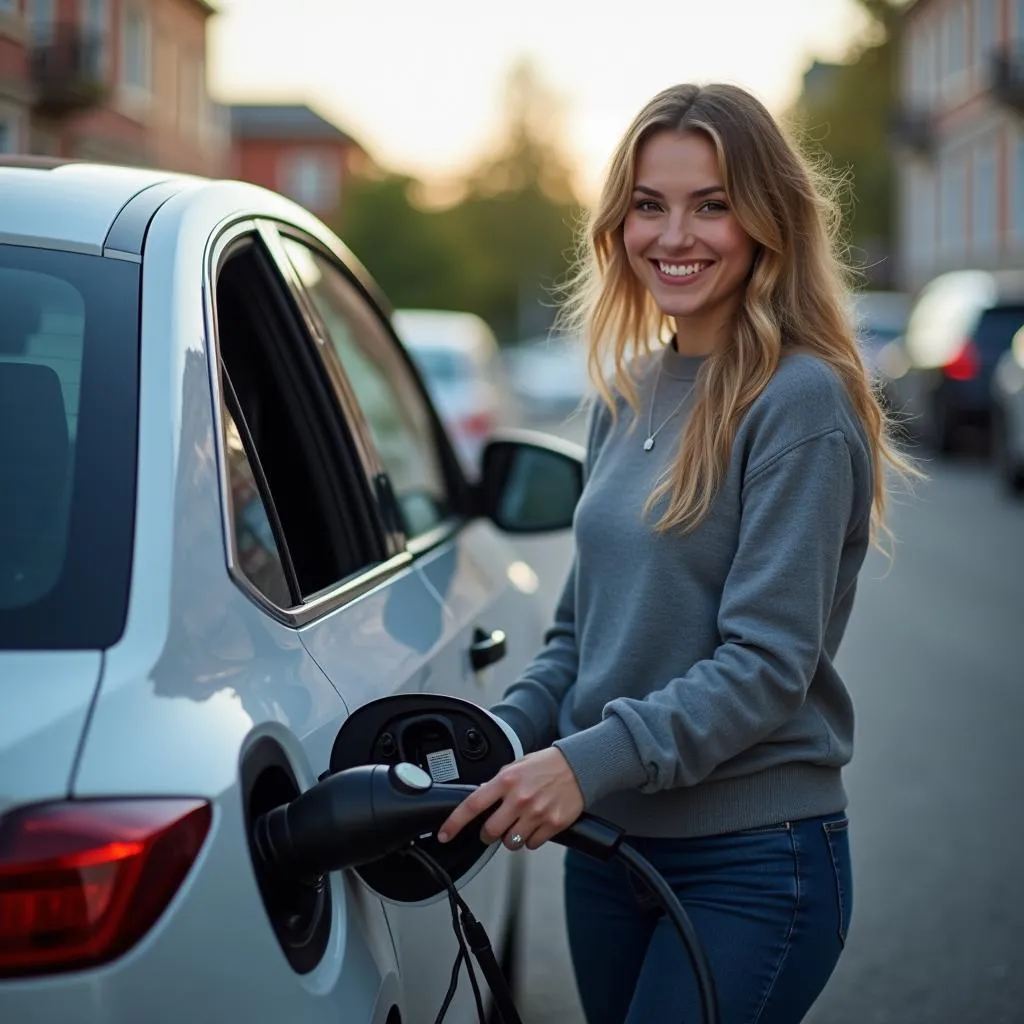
column 796, row 297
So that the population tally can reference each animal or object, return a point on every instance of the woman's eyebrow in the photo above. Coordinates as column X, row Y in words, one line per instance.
column 699, row 193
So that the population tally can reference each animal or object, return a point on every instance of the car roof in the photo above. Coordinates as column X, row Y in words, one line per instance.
column 71, row 205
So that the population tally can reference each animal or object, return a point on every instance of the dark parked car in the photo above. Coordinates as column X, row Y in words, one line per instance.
column 940, row 373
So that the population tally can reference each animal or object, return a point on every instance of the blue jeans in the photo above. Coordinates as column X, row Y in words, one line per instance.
column 771, row 907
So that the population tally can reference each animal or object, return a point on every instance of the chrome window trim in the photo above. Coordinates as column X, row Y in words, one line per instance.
column 323, row 603
column 57, row 244
column 349, row 267
column 444, row 531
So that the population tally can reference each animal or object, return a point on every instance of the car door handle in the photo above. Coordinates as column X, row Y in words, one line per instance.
column 487, row 648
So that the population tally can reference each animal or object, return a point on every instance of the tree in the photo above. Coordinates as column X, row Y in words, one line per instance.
column 498, row 250
column 847, row 118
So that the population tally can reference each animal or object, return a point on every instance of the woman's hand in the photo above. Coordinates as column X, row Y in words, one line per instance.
column 534, row 798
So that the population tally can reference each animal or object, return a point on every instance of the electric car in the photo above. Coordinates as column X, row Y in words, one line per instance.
column 230, row 518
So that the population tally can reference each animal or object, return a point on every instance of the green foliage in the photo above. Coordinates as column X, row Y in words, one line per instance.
column 846, row 119
column 500, row 249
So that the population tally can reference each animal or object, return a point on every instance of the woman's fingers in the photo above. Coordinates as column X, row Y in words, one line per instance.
column 472, row 807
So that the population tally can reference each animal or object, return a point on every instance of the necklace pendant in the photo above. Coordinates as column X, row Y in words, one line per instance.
column 649, row 444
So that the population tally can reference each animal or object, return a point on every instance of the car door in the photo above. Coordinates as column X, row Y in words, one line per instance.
column 307, row 545
column 460, row 560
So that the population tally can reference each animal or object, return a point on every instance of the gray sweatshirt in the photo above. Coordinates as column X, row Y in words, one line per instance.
column 688, row 678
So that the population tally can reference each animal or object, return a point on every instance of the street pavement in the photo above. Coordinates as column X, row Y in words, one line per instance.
column 934, row 657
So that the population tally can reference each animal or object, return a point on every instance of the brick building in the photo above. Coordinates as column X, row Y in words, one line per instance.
column 293, row 150
column 114, row 80
column 960, row 127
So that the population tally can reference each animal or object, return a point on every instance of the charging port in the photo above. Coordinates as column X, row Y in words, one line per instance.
column 299, row 909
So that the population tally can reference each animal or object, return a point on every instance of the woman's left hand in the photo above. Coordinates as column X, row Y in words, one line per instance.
column 536, row 798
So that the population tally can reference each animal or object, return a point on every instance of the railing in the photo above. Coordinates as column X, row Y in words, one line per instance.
column 68, row 69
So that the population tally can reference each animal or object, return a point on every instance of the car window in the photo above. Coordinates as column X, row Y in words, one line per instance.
column 69, row 328
column 257, row 552
column 299, row 515
column 997, row 327
column 395, row 408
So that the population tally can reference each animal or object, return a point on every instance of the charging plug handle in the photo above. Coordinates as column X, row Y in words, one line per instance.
column 351, row 818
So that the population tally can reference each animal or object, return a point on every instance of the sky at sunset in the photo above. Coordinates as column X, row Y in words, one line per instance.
column 420, row 84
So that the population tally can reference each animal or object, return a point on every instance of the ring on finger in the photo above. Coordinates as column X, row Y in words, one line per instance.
column 515, row 841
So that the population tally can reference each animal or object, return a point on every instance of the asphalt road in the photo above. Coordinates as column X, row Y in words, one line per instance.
column 934, row 657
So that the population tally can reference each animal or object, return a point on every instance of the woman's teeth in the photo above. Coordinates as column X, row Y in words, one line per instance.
column 680, row 269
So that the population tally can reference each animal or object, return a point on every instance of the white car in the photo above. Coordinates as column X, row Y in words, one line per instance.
column 229, row 520
column 459, row 359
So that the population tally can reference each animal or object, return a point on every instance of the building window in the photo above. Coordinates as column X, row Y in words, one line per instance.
column 954, row 52
column 985, row 206
column 41, row 18
column 96, row 26
column 8, row 135
column 952, row 206
column 135, row 50
column 985, row 38
column 1018, row 191
column 312, row 179
column 920, row 214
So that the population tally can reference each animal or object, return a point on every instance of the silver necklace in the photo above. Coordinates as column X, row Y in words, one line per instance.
column 651, row 432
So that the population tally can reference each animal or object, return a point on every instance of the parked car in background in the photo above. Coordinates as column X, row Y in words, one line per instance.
column 460, row 361
column 230, row 517
column 1008, row 416
column 939, row 375
column 880, row 318
column 549, row 376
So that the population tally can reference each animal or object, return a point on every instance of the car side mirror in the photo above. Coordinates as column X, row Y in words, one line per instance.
column 530, row 482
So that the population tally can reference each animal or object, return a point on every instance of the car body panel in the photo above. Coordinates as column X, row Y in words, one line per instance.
column 203, row 672
column 75, row 217
column 46, row 698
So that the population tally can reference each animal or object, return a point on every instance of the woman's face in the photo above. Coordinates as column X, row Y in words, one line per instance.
column 683, row 241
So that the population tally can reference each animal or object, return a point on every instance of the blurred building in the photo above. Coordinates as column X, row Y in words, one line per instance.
column 818, row 80
column 293, row 150
column 960, row 165
column 113, row 80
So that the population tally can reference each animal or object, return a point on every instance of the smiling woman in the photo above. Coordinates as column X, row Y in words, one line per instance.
column 688, row 690
column 684, row 241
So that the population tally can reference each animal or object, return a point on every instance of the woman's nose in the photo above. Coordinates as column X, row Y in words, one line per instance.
column 677, row 234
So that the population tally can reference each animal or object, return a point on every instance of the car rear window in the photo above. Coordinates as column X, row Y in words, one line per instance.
column 997, row 327
column 69, row 326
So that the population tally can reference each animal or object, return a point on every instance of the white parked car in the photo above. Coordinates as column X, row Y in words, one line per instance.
column 1008, row 416
column 230, row 519
column 459, row 359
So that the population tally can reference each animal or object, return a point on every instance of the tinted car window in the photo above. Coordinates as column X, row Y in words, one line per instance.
column 997, row 327
column 395, row 408
column 68, row 421
column 255, row 545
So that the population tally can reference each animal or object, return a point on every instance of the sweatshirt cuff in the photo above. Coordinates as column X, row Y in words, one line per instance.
column 520, row 723
column 604, row 759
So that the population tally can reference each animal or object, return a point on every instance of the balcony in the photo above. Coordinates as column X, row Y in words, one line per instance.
column 914, row 130
column 68, row 70
column 1008, row 77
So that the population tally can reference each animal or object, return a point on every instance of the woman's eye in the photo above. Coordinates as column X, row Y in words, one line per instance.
column 713, row 206
column 645, row 205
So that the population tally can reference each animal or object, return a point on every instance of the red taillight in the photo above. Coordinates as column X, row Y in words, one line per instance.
column 965, row 363
column 478, row 424
column 81, row 882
